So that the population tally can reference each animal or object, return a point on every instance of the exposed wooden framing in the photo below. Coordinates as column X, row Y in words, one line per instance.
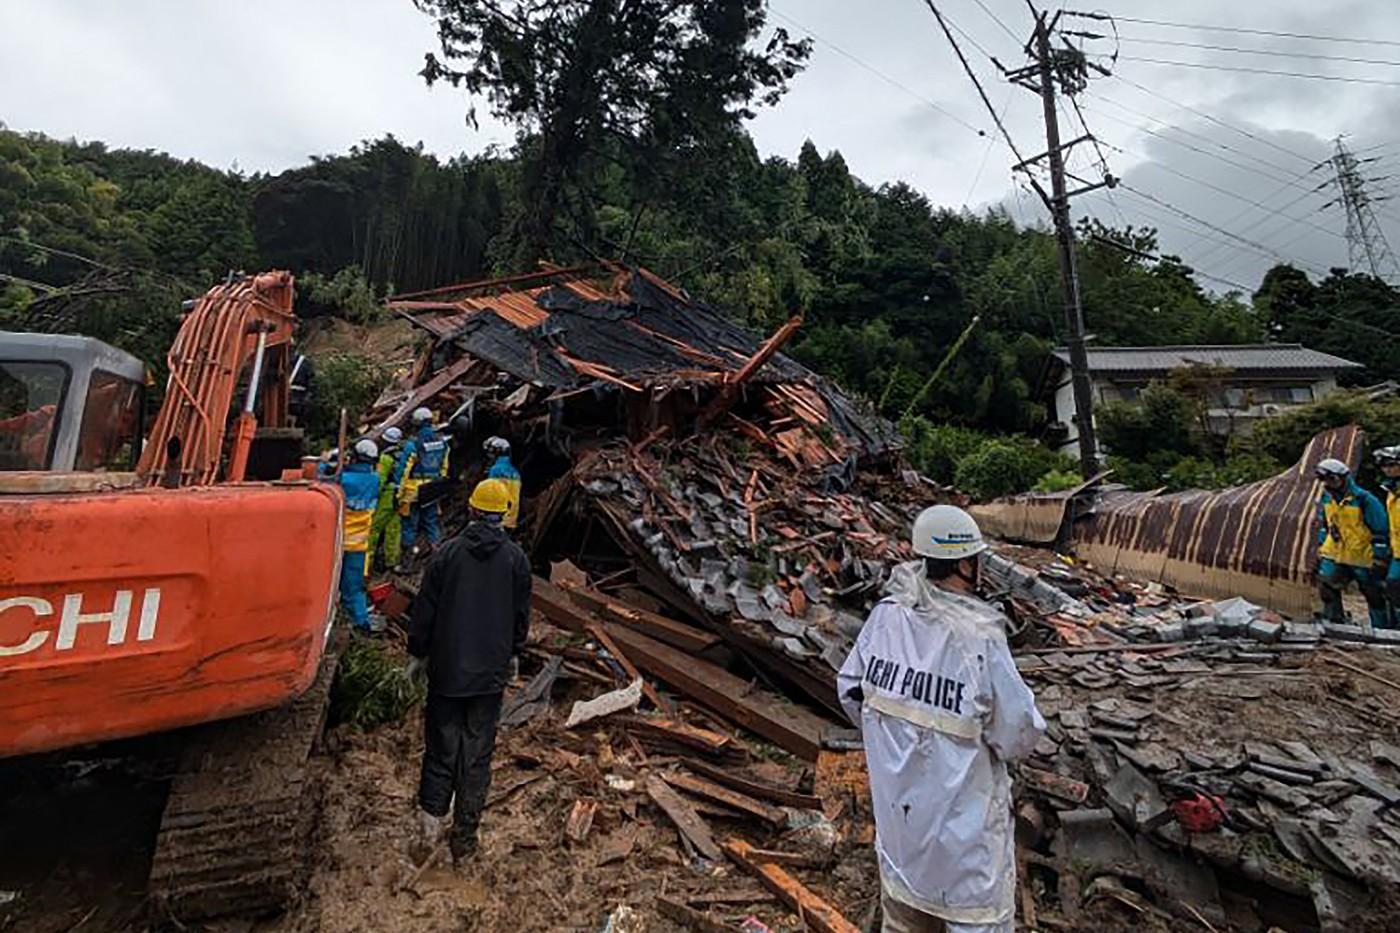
column 709, row 790
column 788, row 726
column 815, row 912
column 787, row 798
column 681, row 813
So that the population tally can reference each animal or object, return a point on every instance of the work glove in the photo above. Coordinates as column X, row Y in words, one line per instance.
column 417, row 670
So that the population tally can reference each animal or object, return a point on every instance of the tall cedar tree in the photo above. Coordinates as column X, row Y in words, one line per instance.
column 654, row 79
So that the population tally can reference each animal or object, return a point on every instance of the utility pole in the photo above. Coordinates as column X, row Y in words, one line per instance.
column 1066, row 68
column 1367, row 246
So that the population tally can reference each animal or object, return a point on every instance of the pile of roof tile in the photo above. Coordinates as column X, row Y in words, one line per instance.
column 750, row 495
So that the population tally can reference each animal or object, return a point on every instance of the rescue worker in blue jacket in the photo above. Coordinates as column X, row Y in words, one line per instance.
column 1353, row 544
column 360, row 483
column 1388, row 460
column 422, row 461
column 497, row 450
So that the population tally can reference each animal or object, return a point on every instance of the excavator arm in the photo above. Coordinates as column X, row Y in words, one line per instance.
column 246, row 323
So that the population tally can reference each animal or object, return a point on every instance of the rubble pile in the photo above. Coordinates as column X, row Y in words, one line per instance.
column 725, row 519
column 741, row 490
column 1247, row 781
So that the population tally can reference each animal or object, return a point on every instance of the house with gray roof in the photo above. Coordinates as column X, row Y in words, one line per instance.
column 1250, row 381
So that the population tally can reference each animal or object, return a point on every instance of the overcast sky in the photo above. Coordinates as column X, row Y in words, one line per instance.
column 262, row 84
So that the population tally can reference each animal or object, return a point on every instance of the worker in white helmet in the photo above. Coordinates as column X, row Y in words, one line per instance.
column 423, row 459
column 941, row 709
column 1353, row 543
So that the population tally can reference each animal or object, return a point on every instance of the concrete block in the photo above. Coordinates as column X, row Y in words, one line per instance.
column 1170, row 631
column 1343, row 632
column 1201, row 627
column 1301, row 631
column 1267, row 632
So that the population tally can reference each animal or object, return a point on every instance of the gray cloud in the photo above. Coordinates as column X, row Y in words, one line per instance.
column 264, row 84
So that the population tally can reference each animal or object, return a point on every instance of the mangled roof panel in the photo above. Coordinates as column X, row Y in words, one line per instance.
column 568, row 328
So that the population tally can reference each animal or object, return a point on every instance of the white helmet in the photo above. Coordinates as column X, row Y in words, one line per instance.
column 496, row 447
column 1331, row 467
column 946, row 532
column 422, row 416
column 392, row 436
column 366, row 449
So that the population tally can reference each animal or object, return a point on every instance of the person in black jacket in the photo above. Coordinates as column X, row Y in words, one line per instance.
column 469, row 624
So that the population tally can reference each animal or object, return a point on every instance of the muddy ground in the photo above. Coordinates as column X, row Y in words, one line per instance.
column 75, row 841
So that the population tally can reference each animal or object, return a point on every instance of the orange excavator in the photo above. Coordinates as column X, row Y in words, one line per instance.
column 187, row 581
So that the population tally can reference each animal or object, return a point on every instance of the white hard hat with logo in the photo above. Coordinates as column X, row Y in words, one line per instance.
column 1332, row 467
column 366, row 449
column 422, row 416
column 392, row 435
column 946, row 532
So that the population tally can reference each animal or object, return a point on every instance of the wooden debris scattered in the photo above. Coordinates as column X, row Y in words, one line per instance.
column 580, row 820
column 779, row 795
column 815, row 912
column 683, row 815
column 790, row 727
column 709, row 790
column 678, row 736
column 689, row 917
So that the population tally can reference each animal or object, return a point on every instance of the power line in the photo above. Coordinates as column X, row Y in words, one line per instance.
column 893, row 82
column 1187, row 215
column 1275, row 53
column 972, row 76
column 1216, row 120
column 998, row 20
column 1260, row 71
column 1266, row 218
column 1240, row 29
column 1225, row 191
column 1185, row 145
column 1154, row 257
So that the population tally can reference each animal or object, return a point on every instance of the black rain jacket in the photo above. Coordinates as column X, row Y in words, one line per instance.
column 472, row 613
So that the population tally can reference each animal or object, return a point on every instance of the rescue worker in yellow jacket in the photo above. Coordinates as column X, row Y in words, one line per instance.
column 360, row 485
column 497, row 450
column 1388, row 460
column 1353, row 544
column 424, row 459
column 384, row 528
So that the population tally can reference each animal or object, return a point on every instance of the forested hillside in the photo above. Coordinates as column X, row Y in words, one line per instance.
column 108, row 241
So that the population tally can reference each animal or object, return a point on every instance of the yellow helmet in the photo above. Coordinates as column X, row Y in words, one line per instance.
column 491, row 496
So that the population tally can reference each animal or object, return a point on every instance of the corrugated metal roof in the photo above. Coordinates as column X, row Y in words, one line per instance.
column 1286, row 357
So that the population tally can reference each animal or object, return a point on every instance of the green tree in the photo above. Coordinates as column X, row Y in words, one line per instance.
column 661, row 76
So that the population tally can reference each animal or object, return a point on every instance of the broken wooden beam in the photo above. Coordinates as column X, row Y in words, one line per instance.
column 709, row 790
column 811, row 909
column 686, row 737
column 689, row 917
column 788, row 798
column 790, row 727
column 683, row 815
column 1053, row 784
column 678, row 634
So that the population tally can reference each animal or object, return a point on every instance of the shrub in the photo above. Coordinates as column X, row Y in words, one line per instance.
column 1058, row 481
column 1006, row 465
column 1163, row 418
column 1283, row 439
column 343, row 380
column 936, row 450
column 372, row 687
column 346, row 294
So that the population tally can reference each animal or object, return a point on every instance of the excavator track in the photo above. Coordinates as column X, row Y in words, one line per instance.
column 238, row 821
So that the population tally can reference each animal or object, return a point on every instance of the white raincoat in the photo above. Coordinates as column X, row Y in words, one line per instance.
column 943, row 710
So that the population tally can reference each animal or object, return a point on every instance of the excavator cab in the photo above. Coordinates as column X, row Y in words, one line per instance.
column 69, row 404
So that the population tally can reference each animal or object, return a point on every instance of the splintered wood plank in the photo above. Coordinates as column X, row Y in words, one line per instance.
column 687, row 821
column 709, row 790
column 728, row 778
column 815, row 912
